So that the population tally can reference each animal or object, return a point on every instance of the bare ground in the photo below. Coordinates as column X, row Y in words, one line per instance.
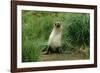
column 69, row 56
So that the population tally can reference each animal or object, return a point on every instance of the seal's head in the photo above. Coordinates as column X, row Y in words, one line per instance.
column 57, row 24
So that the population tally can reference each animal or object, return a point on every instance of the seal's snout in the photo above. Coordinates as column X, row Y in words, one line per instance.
column 58, row 26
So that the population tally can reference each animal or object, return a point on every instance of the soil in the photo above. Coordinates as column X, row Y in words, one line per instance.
column 69, row 56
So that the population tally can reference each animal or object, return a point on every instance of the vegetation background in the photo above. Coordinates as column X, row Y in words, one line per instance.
column 37, row 26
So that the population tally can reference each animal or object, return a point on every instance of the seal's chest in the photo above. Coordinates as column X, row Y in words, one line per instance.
column 55, row 39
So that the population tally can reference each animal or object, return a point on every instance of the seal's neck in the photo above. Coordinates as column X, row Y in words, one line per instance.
column 56, row 30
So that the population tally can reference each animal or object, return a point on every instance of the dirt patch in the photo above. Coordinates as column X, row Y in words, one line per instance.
column 55, row 57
